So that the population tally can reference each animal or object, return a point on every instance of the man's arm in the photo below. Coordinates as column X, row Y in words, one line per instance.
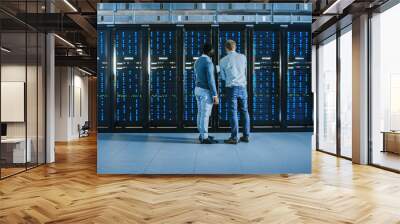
column 245, row 65
column 223, row 75
column 222, row 71
column 211, row 81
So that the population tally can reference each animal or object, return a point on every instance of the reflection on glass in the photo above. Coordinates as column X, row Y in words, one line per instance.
column 41, row 98
column 385, row 89
column 23, row 90
column 327, row 96
column 15, row 150
column 32, row 94
column 346, row 94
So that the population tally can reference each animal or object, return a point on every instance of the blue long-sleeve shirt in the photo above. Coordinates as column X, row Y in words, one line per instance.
column 204, row 71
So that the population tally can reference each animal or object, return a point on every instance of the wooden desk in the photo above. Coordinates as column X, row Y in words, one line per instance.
column 13, row 150
column 391, row 141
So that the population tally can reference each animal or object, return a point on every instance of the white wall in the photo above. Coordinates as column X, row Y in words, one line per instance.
column 80, row 111
column 33, row 126
column 62, row 82
column 71, row 102
column 12, row 73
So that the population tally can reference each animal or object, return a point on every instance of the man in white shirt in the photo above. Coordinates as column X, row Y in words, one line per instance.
column 233, row 69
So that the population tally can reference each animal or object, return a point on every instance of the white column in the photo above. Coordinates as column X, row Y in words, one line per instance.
column 360, row 90
column 314, row 90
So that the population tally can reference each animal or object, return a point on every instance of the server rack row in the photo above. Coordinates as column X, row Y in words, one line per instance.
column 146, row 79
column 193, row 42
column 299, row 99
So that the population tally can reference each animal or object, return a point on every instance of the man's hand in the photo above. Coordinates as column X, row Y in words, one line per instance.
column 216, row 100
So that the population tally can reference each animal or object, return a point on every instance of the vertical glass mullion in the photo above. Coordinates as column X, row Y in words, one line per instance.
column 338, row 78
column 1, row 164
column 37, row 90
column 26, row 88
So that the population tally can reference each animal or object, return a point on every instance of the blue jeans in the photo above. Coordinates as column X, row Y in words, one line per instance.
column 238, row 94
column 204, row 107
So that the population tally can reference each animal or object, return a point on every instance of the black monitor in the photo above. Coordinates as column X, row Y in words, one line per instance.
column 3, row 129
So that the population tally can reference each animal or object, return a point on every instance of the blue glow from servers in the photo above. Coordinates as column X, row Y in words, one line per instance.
column 127, row 81
column 102, row 86
column 194, row 41
column 163, row 77
column 137, row 98
column 265, row 106
column 299, row 97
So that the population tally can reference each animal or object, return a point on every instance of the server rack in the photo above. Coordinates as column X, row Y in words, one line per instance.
column 163, row 98
column 238, row 34
column 103, row 80
column 265, row 77
column 163, row 77
column 193, row 40
column 128, row 78
column 299, row 99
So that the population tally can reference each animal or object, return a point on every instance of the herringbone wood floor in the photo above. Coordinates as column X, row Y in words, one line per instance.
column 70, row 191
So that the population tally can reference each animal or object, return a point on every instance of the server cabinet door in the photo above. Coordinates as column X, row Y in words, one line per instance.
column 265, row 79
column 103, row 79
column 239, row 37
column 193, row 43
column 163, row 78
column 299, row 100
column 128, row 80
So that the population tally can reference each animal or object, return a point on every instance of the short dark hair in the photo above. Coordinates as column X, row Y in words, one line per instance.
column 230, row 45
column 207, row 48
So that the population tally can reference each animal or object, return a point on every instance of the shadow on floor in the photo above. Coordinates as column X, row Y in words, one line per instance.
column 162, row 139
column 155, row 138
column 174, row 153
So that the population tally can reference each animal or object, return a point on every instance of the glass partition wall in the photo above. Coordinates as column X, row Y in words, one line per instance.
column 22, row 76
column 345, row 97
column 334, row 104
column 334, row 126
column 14, row 145
column 385, row 90
column 327, row 95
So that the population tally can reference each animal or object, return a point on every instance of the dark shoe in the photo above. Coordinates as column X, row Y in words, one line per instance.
column 231, row 141
column 208, row 141
column 210, row 137
column 244, row 139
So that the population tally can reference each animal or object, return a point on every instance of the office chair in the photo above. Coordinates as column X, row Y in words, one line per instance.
column 84, row 130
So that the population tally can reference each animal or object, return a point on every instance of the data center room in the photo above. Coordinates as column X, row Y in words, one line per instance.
column 146, row 105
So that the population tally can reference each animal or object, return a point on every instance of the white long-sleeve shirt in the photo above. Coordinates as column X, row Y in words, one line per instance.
column 233, row 69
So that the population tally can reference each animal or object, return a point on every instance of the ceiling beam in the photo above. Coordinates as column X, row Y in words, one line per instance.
column 89, row 30
column 81, row 61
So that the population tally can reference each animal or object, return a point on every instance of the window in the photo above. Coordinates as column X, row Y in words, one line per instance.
column 346, row 93
column 327, row 95
column 385, row 89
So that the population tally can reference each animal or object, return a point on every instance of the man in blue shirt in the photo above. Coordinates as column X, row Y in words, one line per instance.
column 233, row 72
column 205, row 92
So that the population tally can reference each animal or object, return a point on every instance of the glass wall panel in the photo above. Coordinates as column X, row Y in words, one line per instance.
column 385, row 89
column 327, row 95
column 22, row 64
column 31, row 97
column 14, row 154
column 346, row 92
column 41, row 97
